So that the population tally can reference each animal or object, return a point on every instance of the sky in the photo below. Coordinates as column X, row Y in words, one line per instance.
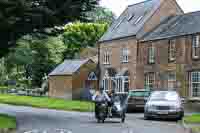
column 117, row 6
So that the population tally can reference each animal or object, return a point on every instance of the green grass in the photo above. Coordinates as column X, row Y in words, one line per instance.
column 45, row 102
column 7, row 122
column 193, row 119
column 3, row 87
column 196, row 129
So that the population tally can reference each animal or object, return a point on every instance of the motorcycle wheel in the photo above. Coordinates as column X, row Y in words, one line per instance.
column 123, row 118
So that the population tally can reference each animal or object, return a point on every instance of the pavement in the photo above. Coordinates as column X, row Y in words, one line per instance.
column 52, row 121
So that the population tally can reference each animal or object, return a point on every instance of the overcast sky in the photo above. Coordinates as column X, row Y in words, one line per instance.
column 117, row 6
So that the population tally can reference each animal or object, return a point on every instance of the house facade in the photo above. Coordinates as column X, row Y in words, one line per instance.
column 152, row 45
column 169, row 56
column 119, row 45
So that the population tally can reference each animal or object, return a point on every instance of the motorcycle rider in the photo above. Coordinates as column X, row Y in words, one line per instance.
column 101, row 95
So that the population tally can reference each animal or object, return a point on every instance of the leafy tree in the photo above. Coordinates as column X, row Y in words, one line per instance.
column 34, row 57
column 21, row 17
column 78, row 35
column 101, row 15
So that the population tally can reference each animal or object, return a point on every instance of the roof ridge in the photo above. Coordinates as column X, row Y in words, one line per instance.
column 139, row 3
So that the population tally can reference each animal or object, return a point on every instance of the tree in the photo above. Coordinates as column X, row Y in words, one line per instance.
column 21, row 17
column 78, row 35
column 34, row 57
column 101, row 15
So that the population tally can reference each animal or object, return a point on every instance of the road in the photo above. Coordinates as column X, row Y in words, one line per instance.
column 51, row 121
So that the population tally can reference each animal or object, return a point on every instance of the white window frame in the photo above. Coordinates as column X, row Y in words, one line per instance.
column 105, row 81
column 151, row 55
column 125, row 55
column 197, row 73
column 147, row 80
column 121, row 81
column 92, row 76
column 171, row 81
column 195, row 46
column 172, row 50
column 106, row 57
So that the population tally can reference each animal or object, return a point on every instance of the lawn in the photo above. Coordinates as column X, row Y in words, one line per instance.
column 45, row 102
column 7, row 122
column 193, row 119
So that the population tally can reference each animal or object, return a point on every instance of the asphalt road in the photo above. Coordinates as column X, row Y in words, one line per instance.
column 51, row 121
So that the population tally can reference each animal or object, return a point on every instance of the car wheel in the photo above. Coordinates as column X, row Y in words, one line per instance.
column 146, row 117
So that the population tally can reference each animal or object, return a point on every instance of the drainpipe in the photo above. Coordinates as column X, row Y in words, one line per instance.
column 98, row 66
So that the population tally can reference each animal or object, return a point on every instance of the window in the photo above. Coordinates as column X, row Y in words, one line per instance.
column 171, row 80
column 149, row 80
column 138, row 19
column 106, row 58
column 172, row 50
column 122, row 84
column 195, row 84
column 106, row 84
column 92, row 76
column 151, row 55
column 130, row 16
column 126, row 84
column 125, row 54
column 195, row 47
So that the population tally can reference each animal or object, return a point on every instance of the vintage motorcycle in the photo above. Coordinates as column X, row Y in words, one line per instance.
column 117, row 108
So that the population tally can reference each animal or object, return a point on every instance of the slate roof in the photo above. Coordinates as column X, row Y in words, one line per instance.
column 68, row 67
column 174, row 26
column 123, row 27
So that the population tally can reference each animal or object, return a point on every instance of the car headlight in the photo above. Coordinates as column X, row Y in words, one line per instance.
column 150, row 107
column 175, row 107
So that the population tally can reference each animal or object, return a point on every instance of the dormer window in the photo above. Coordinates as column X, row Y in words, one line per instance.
column 130, row 16
column 138, row 19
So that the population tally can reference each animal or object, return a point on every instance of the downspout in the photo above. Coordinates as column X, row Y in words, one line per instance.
column 98, row 66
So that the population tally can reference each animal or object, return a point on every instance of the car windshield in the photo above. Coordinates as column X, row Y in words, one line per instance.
column 164, row 96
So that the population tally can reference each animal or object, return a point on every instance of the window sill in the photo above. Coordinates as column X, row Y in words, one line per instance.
column 106, row 64
column 195, row 58
column 125, row 62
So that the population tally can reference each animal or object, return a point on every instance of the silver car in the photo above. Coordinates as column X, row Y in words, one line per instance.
column 164, row 104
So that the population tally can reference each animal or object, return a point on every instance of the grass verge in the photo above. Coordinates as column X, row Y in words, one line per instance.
column 196, row 129
column 193, row 119
column 7, row 122
column 45, row 102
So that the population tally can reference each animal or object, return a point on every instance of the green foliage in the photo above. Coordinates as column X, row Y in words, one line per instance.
column 21, row 17
column 7, row 122
column 81, row 35
column 50, row 103
column 101, row 15
column 34, row 57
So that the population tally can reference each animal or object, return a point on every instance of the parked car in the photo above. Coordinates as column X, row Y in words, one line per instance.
column 164, row 104
column 137, row 99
